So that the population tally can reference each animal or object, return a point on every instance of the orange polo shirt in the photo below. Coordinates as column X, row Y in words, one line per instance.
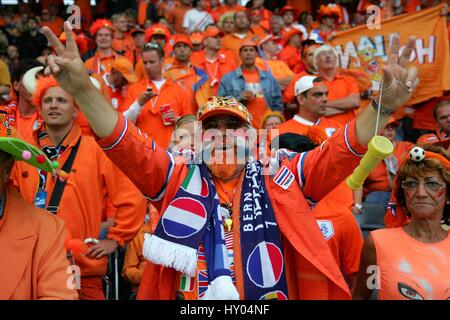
column 215, row 70
column 258, row 106
column 99, row 64
column 278, row 68
column 339, row 88
column 290, row 55
column 150, row 120
column 123, row 44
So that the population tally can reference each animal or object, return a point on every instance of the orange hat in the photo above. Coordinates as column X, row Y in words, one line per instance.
column 80, row 41
column 287, row 8
column 224, row 105
column 125, row 68
column 181, row 38
column 156, row 29
column 212, row 31
column 137, row 30
column 101, row 23
column 248, row 43
column 288, row 35
column 267, row 38
column 329, row 10
column 196, row 38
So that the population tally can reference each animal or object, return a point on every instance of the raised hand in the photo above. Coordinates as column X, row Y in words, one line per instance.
column 399, row 81
column 66, row 66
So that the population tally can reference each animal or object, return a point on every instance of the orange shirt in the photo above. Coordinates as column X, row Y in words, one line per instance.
column 26, row 124
column 56, row 25
column 92, row 178
column 299, row 125
column 278, row 68
column 233, row 42
column 187, row 78
column 115, row 96
column 342, row 233
column 410, row 269
column 258, row 106
column 124, row 44
column 99, row 64
column 176, row 17
column 134, row 55
column 150, row 120
column 423, row 117
column 215, row 70
column 290, row 55
column 339, row 88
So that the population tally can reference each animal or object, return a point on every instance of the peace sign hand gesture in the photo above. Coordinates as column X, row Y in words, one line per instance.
column 67, row 66
column 399, row 81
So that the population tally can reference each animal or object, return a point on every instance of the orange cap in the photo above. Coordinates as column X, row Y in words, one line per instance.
column 224, row 105
column 328, row 10
column 268, row 38
column 100, row 23
column 125, row 68
column 287, row 8
column 212, row 31
column 181, row 38
column 248, row 43
column 156, row 29
column 288, row 35
column 196, row 38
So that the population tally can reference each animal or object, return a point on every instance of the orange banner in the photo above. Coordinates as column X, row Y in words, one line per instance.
column 367, row 49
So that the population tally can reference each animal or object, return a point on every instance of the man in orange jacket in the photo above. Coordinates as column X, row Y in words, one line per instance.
column 193, row 80
column 33, row 264
column 248, row 262
column 146, row 98
column 90, row 178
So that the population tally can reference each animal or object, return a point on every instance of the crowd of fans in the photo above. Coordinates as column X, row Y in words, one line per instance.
column 157, row 62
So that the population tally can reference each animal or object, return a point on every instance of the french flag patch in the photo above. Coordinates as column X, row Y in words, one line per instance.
column 284, row 177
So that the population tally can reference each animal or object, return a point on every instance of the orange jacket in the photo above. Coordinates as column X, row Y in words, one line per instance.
column 311, row 270
column 194, row 81
column 150, row 120
column 93, row 178
column 99, row 64
column 33, row 264
column 224, row 64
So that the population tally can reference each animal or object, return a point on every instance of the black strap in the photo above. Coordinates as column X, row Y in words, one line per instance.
column 53, row 204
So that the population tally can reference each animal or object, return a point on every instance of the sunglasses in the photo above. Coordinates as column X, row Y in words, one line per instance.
column 228, row 123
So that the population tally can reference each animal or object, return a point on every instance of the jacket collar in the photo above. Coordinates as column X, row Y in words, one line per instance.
column 261, row 73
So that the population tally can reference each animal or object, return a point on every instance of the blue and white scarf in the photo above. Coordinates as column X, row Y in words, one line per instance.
column 194, row 216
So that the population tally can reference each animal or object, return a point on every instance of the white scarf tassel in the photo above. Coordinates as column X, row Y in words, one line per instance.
column 221, row 288
column 169, row 254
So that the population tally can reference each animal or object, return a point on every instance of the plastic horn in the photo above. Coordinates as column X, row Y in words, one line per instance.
column 379, row 148
column 29, row 80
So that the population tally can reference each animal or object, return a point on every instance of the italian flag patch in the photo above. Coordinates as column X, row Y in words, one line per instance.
column 187, row 283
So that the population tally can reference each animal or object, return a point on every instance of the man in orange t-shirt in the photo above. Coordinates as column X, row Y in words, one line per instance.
column 176, row 16
column 269, row 62
column 291, row 51
column 115, row 83
column 144, row 105
column 441, row 115
column 343, row 91
column 193, row 80
column 212, row 59
column 123, row 41
column 233, row 41
column 255, row 88
column 103, row 32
